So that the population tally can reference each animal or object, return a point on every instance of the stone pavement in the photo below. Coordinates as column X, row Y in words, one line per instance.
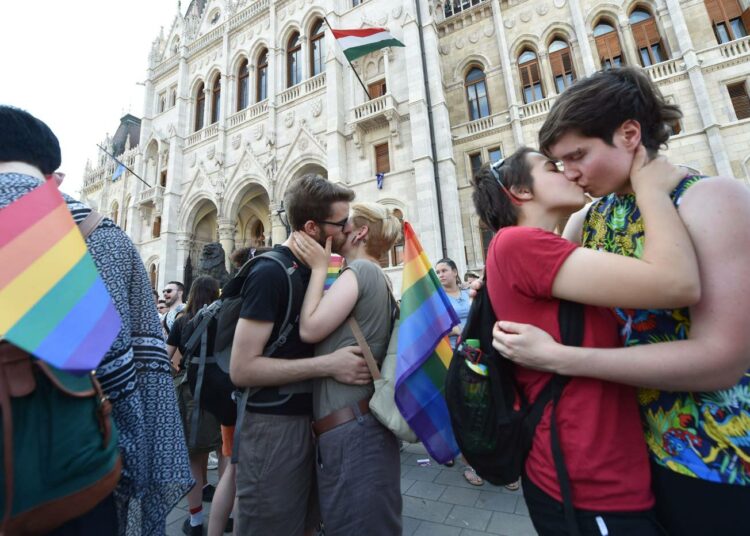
column 438, row 501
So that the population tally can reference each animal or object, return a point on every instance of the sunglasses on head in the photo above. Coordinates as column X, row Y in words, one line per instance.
column 495, row 169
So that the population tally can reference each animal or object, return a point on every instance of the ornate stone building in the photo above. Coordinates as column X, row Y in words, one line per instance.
column 244, row 97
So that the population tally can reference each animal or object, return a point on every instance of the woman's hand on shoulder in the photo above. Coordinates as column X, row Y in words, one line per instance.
column 655, row 176
column 309, row 251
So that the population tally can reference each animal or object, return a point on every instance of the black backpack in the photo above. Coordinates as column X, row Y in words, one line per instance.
column 492, row 421
column 208, row 368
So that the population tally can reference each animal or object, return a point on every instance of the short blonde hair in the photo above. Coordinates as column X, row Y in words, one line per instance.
column 384, row 228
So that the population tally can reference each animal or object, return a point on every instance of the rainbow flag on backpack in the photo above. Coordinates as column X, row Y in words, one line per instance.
column 424, row 352
column 53, row 303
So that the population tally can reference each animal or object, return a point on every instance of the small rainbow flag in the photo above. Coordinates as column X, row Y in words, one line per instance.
column 424, row 352
column 334, row 267
column 53, row 303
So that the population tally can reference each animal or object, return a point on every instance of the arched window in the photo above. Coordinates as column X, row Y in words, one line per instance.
column 394, row 256
column 156, row 227
column 200, row 106
column 293, row 65
column 243, row 77
column 531, row 80
column 317, row 49
column 153, row 275
column 172, row 97
column 608, row 45
column 115, row 212
column 647, row 38
column 476, row 94
column 728, row 19
column 261, row 85
column 562, row 64
column 216, row 99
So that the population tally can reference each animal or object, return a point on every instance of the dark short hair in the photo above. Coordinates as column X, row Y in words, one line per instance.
column 242, row 255
column 24, row 138
column 178, row 284
column 596, row 106
column 310, row 198
column 492, row 203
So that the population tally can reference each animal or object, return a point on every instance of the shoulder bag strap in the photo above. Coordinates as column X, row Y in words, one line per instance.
column 369, row 358
column 89, row 224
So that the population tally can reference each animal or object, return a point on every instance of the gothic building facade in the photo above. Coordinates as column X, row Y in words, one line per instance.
column 243, row 97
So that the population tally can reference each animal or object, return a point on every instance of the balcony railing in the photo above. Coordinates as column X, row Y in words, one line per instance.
column 665, row 69
column 535, row 108
column 485, row 123
column 478, row 126
column 310, row 85
column 151, row 195
column 248, row 113
column 375, row 112
column 733, row 50
column 203, row 134
column 245, row 15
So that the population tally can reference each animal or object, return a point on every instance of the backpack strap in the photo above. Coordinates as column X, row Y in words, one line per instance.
column 369, row 358
column 284, row 331
column 89, row 224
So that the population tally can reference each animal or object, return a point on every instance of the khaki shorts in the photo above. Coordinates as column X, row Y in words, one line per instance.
column 276, row 475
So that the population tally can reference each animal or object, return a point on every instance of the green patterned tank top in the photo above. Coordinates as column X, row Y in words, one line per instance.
column 704, row 435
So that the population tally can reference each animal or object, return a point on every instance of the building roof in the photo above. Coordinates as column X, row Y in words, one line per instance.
column 129, row 126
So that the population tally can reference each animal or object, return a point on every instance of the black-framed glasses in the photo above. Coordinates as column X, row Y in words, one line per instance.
column 167, row 291
column 341, row 223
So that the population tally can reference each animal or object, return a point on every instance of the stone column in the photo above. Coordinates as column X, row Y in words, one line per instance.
column 182, row 250
column 629, row 48
column 514, row 108
column 226, row 239
column 278, row 229
column 207, row 106
column 335, row 112
column 698, row 85
column 387, row 68
column 546, row 73
column 304, row 56
column 582, row 33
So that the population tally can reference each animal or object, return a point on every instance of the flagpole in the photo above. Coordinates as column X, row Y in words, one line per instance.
column 123, row 165
column 350, row 63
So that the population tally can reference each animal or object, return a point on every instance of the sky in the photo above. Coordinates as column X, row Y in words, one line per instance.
column 77, row 66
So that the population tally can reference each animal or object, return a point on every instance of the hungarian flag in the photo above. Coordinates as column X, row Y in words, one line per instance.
column 357, row 43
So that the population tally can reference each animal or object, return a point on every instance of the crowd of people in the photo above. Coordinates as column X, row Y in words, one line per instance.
column 654, row 423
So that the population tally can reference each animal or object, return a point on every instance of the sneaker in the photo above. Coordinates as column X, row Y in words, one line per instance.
column 208, row 493
column 229, row 527
column 189, row 530
column 213, row 461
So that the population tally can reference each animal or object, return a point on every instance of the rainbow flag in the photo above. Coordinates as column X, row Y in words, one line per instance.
column 334, row 267
column 424, row 352
column 53, row 303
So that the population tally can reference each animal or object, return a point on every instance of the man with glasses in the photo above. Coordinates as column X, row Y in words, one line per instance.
column 275, row 474
column 173, row 298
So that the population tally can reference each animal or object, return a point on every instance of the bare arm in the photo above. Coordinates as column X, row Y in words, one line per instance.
column 717, row 215
column 322, row 313
column 666, row 275
column 249, row 368
column 574, row 228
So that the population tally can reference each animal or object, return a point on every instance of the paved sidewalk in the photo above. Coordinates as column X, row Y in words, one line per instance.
column 438, row 501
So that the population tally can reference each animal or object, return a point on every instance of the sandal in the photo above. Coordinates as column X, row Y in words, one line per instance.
column 513, row 486
column 472, row 477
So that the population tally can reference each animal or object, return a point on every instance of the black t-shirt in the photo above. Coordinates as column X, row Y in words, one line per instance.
column 177, row 339
column 265, row 296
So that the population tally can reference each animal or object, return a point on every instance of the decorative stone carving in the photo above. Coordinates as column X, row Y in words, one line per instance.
column 542, row 9
column 525, row 16
column 559, row 4
column 474, row 38
column 212, row 263
column 211, row 152
column 303, row 143
column 193, row 160
column 258, row 131
column 317, row 107
column 236, row 141
column 489, row 30
column 509, row 22
column 444, row 49
column 460, row 43
column 289, row 119
column 397, row 11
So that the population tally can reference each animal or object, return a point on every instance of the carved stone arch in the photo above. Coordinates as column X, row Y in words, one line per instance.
column 562, row 29
column 195, row 208
column 254, row 51
column 236, row 61
column 371, row 69
column 286, row 32
column 151, row 161
column 152, row 269
column 649, row 5
column 249, row 210
column 522, row 42
column 309, row 19
column 464, row 66
column 195, row 84
column 213, row 72
column 237, row 191
column 297, row 167
column 392, row 202
column 608, row 10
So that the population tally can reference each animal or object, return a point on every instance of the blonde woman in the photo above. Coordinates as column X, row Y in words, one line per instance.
column 358, row 464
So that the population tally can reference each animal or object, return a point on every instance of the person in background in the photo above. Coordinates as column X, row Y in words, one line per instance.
column 161, row 308
column 203, row 291
column 469, row 278
column 173, row 293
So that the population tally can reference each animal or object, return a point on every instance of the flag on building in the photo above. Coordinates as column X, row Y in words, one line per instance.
column 119, row 170
column 335, row 262
column 424, row 352
column 53, row 303
column 379, row 180
column 357, row 43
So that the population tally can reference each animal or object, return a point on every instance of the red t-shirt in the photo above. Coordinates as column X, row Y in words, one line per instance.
column 600, row 429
